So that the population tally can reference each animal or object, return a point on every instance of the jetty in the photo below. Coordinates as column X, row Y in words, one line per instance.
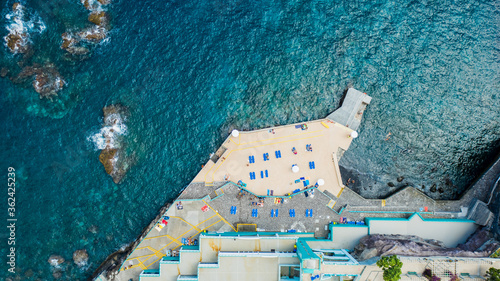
column 270, row 204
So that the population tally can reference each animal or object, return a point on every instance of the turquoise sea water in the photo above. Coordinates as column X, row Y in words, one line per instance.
column 190, row 71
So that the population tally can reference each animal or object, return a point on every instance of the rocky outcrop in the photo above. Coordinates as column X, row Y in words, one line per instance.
column 80, row 258
column 21, row 25
column 18, row 38
column 78, row 43
column 409, row 245
column 111, row 140
column 55, row 260
column 47, row 80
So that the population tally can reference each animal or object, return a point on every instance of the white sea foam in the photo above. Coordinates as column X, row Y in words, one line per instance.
column 109, row 135
column 23, row 25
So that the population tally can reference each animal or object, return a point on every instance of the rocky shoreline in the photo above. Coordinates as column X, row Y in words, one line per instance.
column 113, row 262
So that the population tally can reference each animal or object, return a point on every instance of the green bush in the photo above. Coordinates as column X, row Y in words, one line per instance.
column 391, row 266
column 493, row 274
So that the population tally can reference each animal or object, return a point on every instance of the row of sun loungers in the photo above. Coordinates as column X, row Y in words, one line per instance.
column 275, row 212
column 262, row 174
column 277, row 153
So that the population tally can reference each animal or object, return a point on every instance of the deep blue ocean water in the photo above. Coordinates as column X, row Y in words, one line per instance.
column 190, row 71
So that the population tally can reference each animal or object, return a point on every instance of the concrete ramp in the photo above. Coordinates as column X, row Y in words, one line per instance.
column 351, row 111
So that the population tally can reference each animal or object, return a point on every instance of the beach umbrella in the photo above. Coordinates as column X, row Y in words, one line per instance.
column 321, row 182
column 354, row 134
column 235, row 133
column 295, row 168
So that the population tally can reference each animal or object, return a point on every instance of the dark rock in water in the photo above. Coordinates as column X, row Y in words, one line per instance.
column 4, row 71
column 57, row 274
column 107, row 159
column 440, row 190
column 400, row 179
column 28, row 273
column 104, row 2
column 112, row 156
column 99, row 18
column 80, row 257
column 47, row 80
column 433, row 188
column 55, row 260
column 391, row 184
column 94, row 34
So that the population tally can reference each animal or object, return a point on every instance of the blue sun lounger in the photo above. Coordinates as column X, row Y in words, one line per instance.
column 277, row 153
column 307, row 213
column 276, row 213
column 255, row 213
column 266, row 156
column 306, row 183
column 272, row 213
column 267, row 175
column 262, row 174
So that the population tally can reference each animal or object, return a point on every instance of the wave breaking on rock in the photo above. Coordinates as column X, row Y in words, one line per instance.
column 21, row 26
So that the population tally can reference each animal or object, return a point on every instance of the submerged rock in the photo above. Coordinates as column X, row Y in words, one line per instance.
column 80, row 257
column 55, row 260
column 400, row 179
column 4, row 71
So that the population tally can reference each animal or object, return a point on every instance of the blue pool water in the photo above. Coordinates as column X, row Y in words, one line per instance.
column 190, row 71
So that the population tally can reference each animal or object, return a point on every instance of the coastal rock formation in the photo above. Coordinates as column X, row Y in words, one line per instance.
column 99, row 18
column 18, row 38
column 47, row 79
column 409, row 245
column 20, row 27
column 110, row 141
column 80, row 257
column 93, row 5
column 55, row 260
column 78, row 43
column 71, row 45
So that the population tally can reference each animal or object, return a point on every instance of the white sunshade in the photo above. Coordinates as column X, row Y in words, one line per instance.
column 321, row 182
column 235, row 133
column 295, row 168
column 354, row 134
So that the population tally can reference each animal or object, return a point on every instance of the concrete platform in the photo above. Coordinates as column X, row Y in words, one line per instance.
column 325, row 137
